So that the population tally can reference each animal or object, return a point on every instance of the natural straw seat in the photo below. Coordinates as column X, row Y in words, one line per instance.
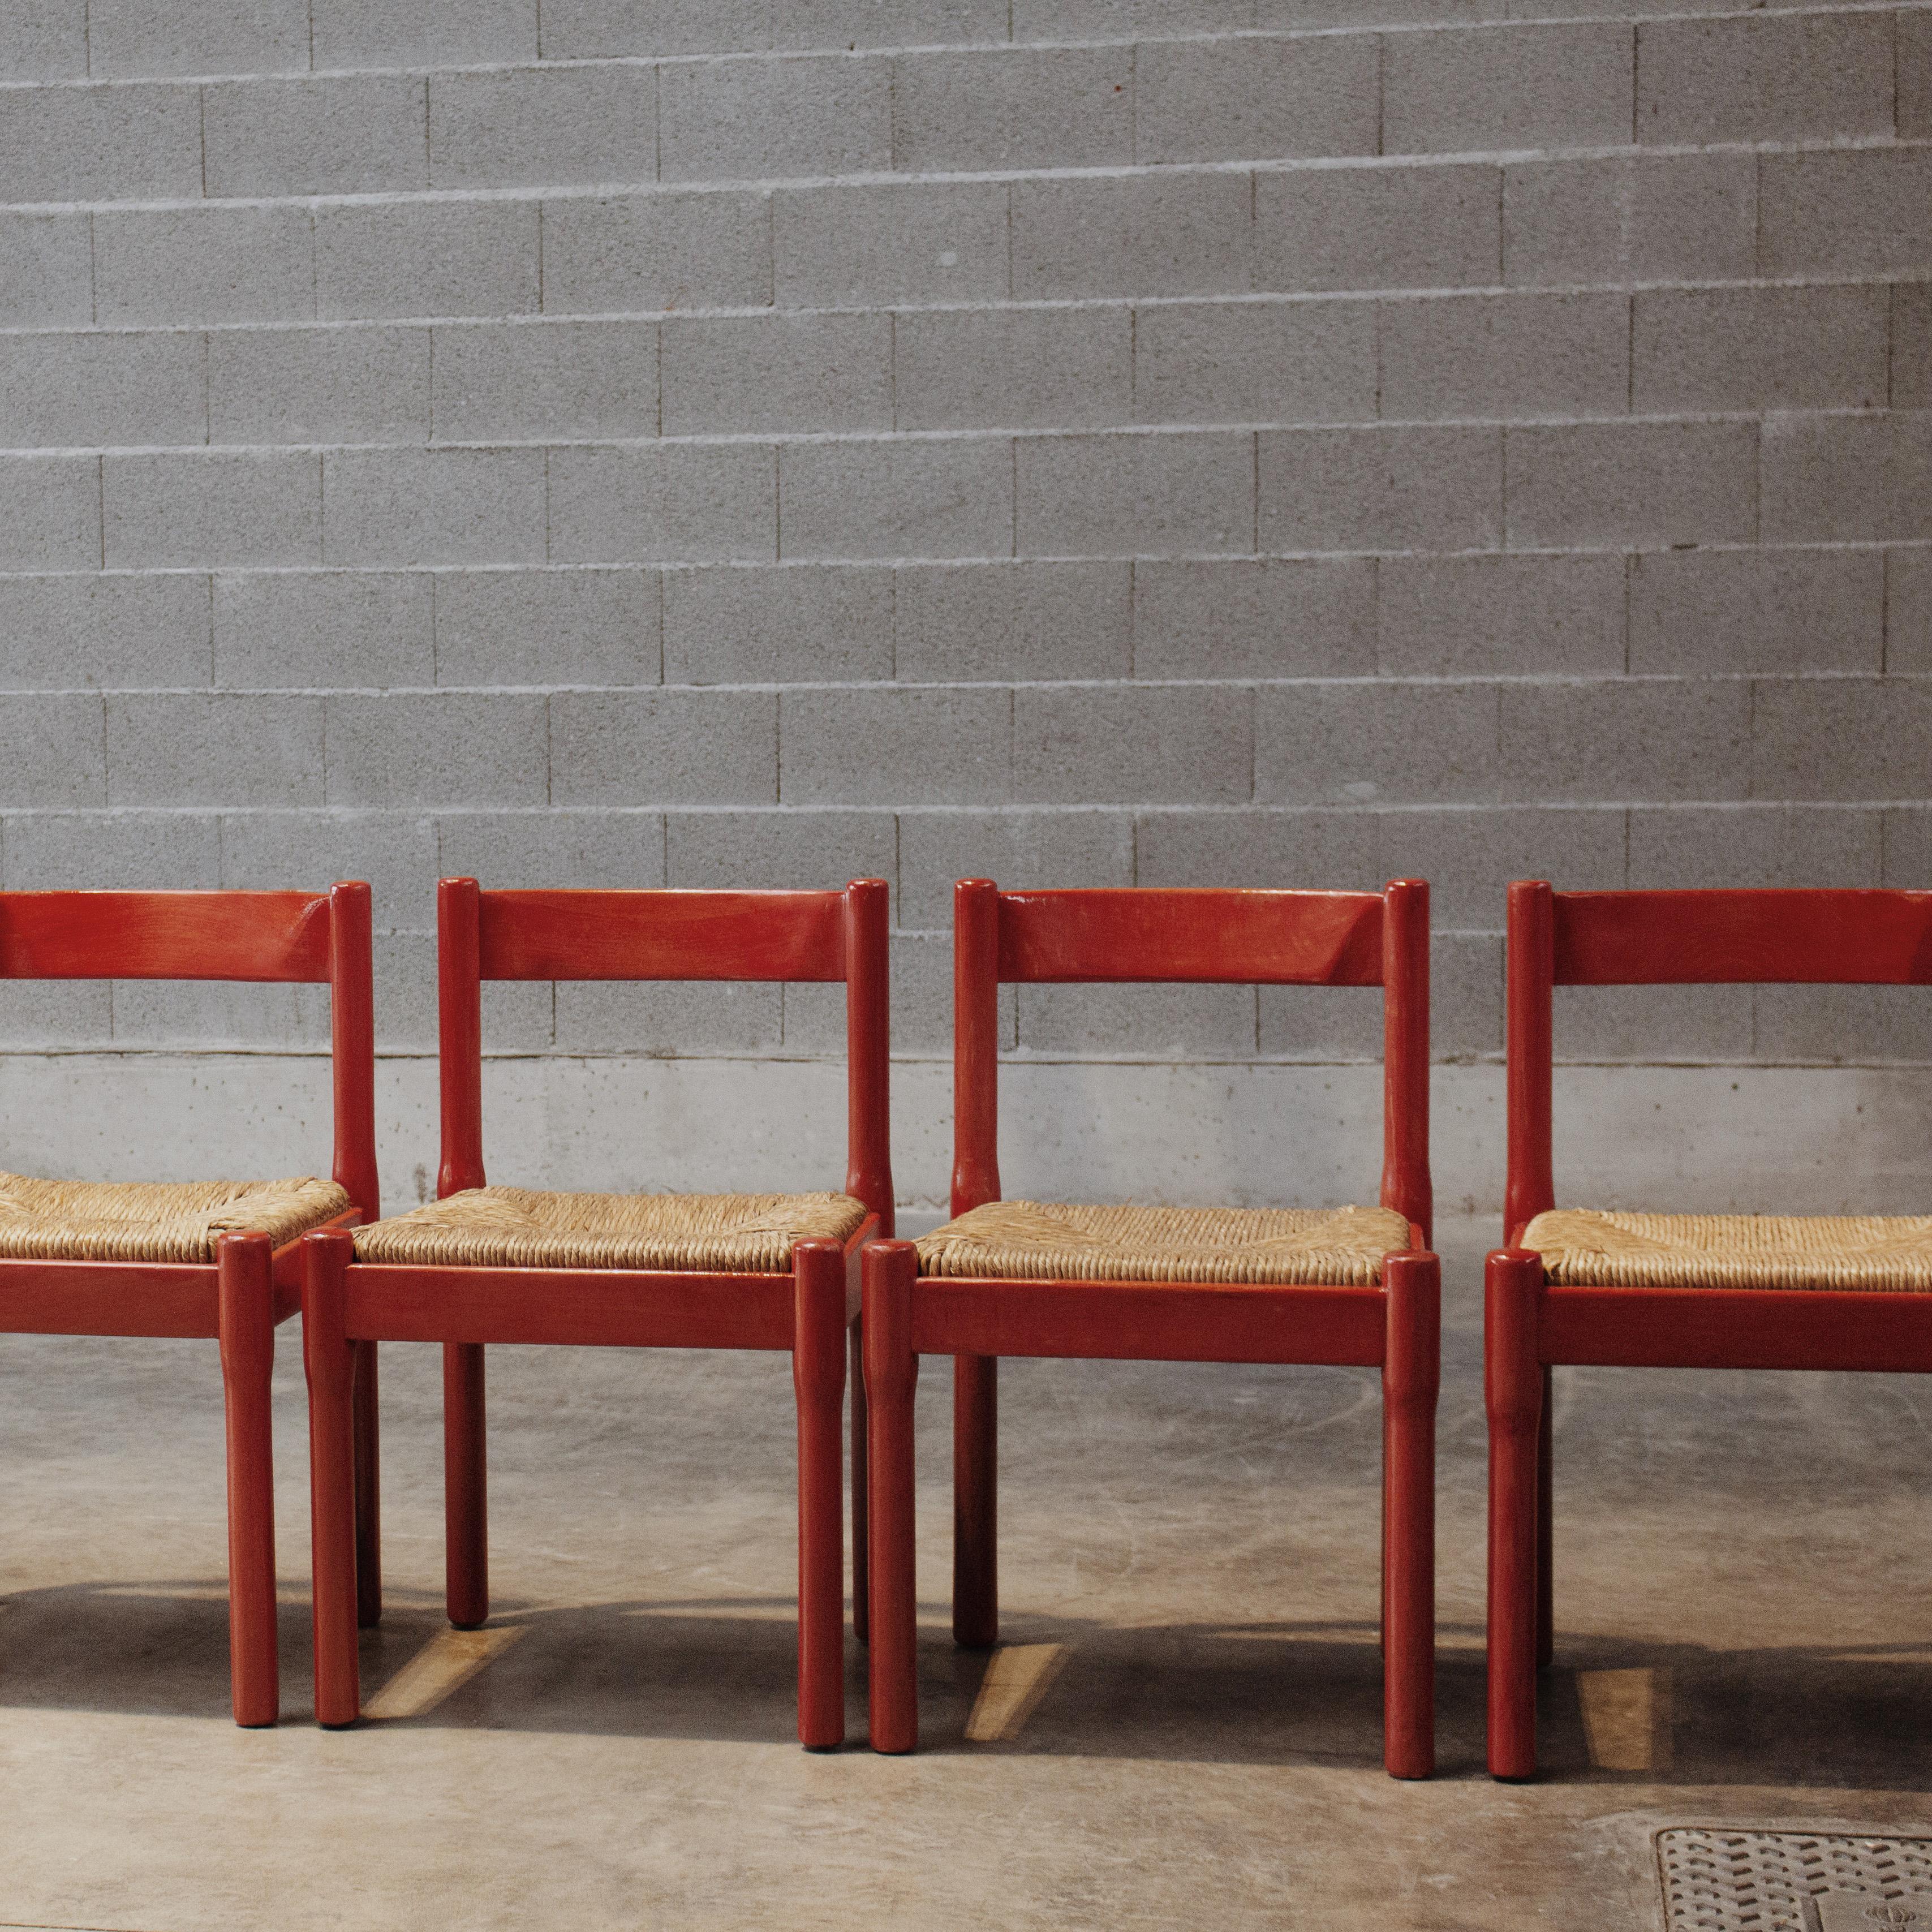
column 1028, row 1240
column 514, row 1227
column 1587, row 1247
column 152, row 1220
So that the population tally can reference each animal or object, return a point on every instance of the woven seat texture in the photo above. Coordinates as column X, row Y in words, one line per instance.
column 1026, row 1240
column 512, row 1227
column 153, row 1221
column 1585, row 1247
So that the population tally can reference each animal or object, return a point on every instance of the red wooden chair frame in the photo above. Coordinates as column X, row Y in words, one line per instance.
column 815, row 936
column 1278, row 938
column 1803, row 937
column 239, row 1297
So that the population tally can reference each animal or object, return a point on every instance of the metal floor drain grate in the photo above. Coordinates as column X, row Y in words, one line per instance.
column 1720, row 1881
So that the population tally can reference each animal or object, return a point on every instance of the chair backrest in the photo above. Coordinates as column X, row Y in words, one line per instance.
column 314, row 938
column 1862, row 936
column 1144, row 933
column 667, row 935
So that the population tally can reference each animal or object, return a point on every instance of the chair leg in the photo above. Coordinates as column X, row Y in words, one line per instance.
column 328, row 1357
column 466, row 1511
column 975, row 1550
column 890, row 1269
column 1513, row 1390
column 1412, row 1375
column 818, row 1377
column 862, row 1592
column 244, row 1291
column 1546, row 1511
column 368, row 1491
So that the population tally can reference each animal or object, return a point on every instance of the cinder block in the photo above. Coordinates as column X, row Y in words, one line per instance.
column 873, row 244
column 1317, row 850
column 356, row 134
column 585, row 29
column 1908, row 848
column 36, row 1012
column 1058, row 107
column 1344, row 1023
column 1486, row 89
column 1470, row 857
column 1079, row 494
column 1377, row 228
column 46, row 270
column 1856, row 479
column 965, row 622
column 547, row 627
column 418, row 506
column 1501, row 616
column 770, row 120
column 1505, row 356
column 51, row 751
column 1269, row 617
column 230, row 507
column 530, row 381
column 943, row 745
column 1134, row 745
column 427, row 258
column 1913, row 55
column 1124, row 19
column 1764, row 77
column 185, row 749
column 49, row 513
column 1132, row 235
column 1862, row 212
column 691, row 503
column 283, row 630
column 661, row 251
column 179, row 1013
column 328, row 385
column 1759, row 348
column 1633, row 483
column 1215, row 99
column 100, row 143
column 63, row 391
column 1181, row 1022
column 1650, row 1024
column 808, row 624
column 44, row 40
column 126, row 631
column 1752, row 610
column 922, row 997
column 1017, row 849
column 1912, row 345
column 1611, row 740
column 1370, row 743
column 778, row 851
column 1840, row 737
column 1696, row 847
column 1380, row 489
column 1908, row 610
column 1059, row 368
column 519, row 126
column 393, row 851
column 437, row 748
column 664, row 748
column 422, row 33
column 1290, row 362
column 406, row 1021
column 196, row 265
column 669, row 1019
column 894, row 499
column 1274, row 15
column 1841, row 1024
column 113, row 851
column 529, row 851
column 1661, row 218
column 748, row 373
column 143, row 38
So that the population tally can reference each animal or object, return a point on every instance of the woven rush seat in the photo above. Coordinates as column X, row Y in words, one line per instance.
column 1587, row 1247
column 1028, row 1240
column 154, row 1221
column 514, row 1227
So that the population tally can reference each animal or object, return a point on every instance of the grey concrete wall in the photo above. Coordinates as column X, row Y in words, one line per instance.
column 698, row 442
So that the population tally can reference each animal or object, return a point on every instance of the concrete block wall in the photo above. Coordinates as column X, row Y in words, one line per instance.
column 693, row 442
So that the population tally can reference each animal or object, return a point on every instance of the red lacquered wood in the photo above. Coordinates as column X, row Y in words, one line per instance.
column 368, row 1488
column 975, row 1044
column 1866, row 936
column 1138, row 932
column 459, row 1010
column 976, row 1502
column 351, row 1008
column 246, row 1291
column 466, row 1487
column 248, row 936
column 865, row 941
column 892, row 1380
column 328, row 1361
column 1406, row 1185
column 1545, row 1527
column 1411, row 1374
column 862, row 1536
column 106, row 1298
column 818, row 1380
column 1529, row 971
column 1513, row 1393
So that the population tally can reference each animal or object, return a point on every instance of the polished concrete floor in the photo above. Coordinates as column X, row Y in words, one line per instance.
column 1183, row 1731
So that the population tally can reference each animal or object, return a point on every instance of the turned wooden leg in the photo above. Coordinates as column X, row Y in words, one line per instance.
column 1513, row 1391
column 368, row 1491
column 862, row 1601
column 1411, row 1374
column 466, row 1513
column 1546, row 1511
column 891, row 1269
column 818, row 1376
column 245, row 1302
column 328, row 1359
column 976, row 1552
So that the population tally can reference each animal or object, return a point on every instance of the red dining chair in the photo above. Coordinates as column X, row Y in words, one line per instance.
column 219, row 1258
column 482, row 1264
column 1661, row 1290
column 1017, row 1278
